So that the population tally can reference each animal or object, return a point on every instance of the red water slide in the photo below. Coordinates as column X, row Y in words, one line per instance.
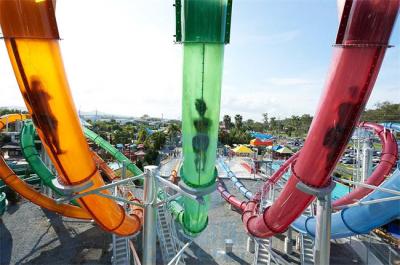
column 362, row 39
column 388, row 161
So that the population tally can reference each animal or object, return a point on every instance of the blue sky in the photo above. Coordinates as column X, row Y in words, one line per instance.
column 120, row 58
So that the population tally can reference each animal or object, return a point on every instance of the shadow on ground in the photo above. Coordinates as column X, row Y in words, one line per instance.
column 88, row 247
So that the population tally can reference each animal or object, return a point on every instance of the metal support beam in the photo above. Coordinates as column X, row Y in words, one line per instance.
column 179, row 190
column 150, row 216
column 392, row 198
column 179, row 254
column 372, row 187
column 97, row 190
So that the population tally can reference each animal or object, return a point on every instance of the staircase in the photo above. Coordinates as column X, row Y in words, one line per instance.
column 121, row 253
column 121, row 250
column 263, row 252
column 307, row 243
column 307, row 250
column 165, row 237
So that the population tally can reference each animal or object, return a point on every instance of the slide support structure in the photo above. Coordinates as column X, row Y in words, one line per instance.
column 150, row 216
column 324, row 211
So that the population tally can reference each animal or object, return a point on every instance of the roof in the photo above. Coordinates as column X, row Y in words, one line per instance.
column 284, row 150
column 262, row 136
column 242, row 149
column 259, row 142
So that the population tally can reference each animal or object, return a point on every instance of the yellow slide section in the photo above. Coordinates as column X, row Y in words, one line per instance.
column 31, row 35
column 12, row 180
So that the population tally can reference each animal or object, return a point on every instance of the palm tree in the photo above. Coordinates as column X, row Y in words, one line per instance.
column 172, row 131
column 238, row 121
column 227, row 122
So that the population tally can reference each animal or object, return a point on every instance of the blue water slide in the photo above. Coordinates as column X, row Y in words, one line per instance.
column 359, row 219
column 392, row 125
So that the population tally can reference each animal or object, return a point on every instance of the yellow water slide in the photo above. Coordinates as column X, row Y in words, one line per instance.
column 12, row 180
column 32, row 39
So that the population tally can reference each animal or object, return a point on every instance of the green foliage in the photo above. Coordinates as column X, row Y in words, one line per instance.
column 227, row 122
column 383, row 112
column 5, row 111
column 142, row 135
column 155, row 141
column 151, row 157
column 238, row 121
column 234, row 136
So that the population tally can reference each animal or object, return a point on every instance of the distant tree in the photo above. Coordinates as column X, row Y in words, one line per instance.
column 382, row 112
column 249, row 124
column 273, row 125
column 155, row 141
column 142, row 135
column 238, row 121
column 172, row 131
column 5, row 111
column 265, row 120
column 227, row 122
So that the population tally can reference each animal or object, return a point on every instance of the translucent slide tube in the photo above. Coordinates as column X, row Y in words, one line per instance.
column 31, row 36
column 203, row 32
column 361, row 44
column 382, row 170
column 29, row 193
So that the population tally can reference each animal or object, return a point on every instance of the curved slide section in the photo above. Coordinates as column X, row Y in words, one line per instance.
column 359, row 219
column 392, row 126
column 238, row 184
column 382, row 170
column 362, row 39
column 32, row 156
column 12, row 180
column 31, row 35
column 114, row 152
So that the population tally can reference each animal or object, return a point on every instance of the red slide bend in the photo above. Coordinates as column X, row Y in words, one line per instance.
column 388, row 161
column 361, row 43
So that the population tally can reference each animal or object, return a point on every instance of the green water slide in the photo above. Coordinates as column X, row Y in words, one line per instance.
column 204, row 28
column 32, row 156
column 120, row 157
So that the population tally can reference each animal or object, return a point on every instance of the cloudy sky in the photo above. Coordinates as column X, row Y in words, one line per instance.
column 120, row 58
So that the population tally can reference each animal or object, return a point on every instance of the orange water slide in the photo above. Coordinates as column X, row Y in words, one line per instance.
column 12, row 180
column 32, row 40
column 102, row 165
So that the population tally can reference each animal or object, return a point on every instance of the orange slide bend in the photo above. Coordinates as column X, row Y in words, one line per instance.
column 110, row 174
column 12, row 180
column 32, row 40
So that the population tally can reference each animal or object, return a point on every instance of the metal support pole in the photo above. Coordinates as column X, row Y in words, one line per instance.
column 323, row 235
column 288, row 248
column 323, row 229
column 150, row 215
column 366, row 165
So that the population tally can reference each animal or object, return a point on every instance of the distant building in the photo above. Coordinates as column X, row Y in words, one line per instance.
column 11, row 151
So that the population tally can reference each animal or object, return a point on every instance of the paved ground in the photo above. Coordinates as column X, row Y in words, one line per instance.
column 30, row 235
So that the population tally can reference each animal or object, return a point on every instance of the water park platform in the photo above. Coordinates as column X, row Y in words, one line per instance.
column 37, row 236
